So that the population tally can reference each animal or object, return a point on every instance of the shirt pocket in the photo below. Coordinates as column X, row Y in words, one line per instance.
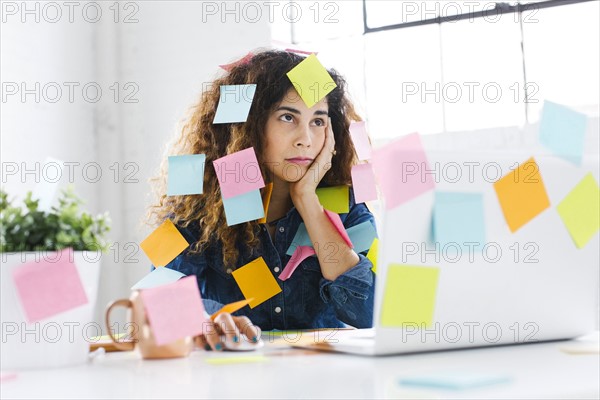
column 311, row 264
column 216, row 268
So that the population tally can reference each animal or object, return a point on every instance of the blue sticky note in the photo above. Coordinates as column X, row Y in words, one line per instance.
column 186, row 174
column 243, row 208
column 362, row 236
column 160, row 276
column 458, row 219
column 454, row 380
column 234, row 103
column 300, row 239
column 562, row 130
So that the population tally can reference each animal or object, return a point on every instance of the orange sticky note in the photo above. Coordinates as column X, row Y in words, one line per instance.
column 231, row 307
column 522, row 194
column 256, row 282
column 266, row 199
column 164, row 244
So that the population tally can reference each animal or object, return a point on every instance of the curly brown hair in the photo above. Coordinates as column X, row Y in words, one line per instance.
column 199, row 135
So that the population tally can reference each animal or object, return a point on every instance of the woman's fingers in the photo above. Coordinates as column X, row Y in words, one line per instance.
column 245, row 326
column 212, row 334
column 201, row 343
column 227, row 326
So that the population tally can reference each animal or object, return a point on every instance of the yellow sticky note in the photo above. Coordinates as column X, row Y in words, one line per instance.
column 231, row 307
column 372, row 254
column 409, row 296
column 335, row 198
column 164, row 244
column 256, row 282
column 580, row 211
column 522, row 194
column 311, row 80
column 266, row 199
column 236, row 360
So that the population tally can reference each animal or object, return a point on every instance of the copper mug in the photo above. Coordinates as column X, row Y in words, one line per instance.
column 142, row 335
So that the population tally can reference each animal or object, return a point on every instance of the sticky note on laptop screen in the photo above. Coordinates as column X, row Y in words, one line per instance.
column 234, row 103
column 186, row 174
column 580, row 210
column 164, row 244
column 256, row 281
column 311, row 80
column 238, row 173
column 409, row 296
column 458, row 219
column 562, row 130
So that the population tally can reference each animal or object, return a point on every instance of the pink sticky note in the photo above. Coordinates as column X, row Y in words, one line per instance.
column 363, row 182
column 297, row 51
column 339, row 226
column 50, row 286
column 7, row 376
column 238, row 173
column 174, row 310
column 241, row 61
column 300, row 254
column 401, row 168
column 360, row 138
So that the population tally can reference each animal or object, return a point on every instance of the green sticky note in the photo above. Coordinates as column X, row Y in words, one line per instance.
column 335, row 198
column 311, row 80
column 580, row 211
column 409, row 297
column 372, row 254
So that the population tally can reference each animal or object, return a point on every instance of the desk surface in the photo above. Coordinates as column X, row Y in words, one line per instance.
column 540, row 370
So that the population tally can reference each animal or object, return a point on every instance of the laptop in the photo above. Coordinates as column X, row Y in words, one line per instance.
column 436, row 293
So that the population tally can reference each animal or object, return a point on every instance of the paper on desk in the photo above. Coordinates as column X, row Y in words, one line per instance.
column 580, row 211
column 186, row 174
column 231, row 307
column 335, row 198
column 174, row 310
column 160, row 276
column 311, row 80
column 50, row 286
column 562, row 130
column 164, row 244
column 362, row 236
column 238, row 173
column 360, row 138
column 336, row 221
column 300, row 254
column 243, row 208
column 266, row 200
column 363, row 183
column 458, row 218
column 235, row 102
column 454, row 380
column 522, row 194
column 256, row 282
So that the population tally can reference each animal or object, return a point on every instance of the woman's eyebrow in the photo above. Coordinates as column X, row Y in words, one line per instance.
column 296, row 111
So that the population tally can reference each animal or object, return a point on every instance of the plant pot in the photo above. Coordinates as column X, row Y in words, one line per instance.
column 56, row 341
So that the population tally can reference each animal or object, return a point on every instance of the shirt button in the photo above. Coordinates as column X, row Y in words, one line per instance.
column 276, row 269
column 281, row 229
column 277, row 310
column 229, row 271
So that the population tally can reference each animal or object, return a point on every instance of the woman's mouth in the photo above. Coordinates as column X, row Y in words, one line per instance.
column 300, row 160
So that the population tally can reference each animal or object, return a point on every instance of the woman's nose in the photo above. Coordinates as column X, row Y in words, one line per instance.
column 303, row 138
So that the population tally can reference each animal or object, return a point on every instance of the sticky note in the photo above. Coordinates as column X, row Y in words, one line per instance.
column 174, row 310
column 243, row 208
column 301, row 238
column 336, row 221
column 362, row 236
column 335, row 198
column 400, row 168
column 454, row 380
column 7, row 376
column 562, row 131
column 311, row 80
column 458, row 220
column 160, row 276
column 232, row 307
column 266, row 200
column 238, row 173
column 300, row 254
column 363, row 182
column 409, row 296
column 164, row 244
column 372, row 254
column 236, row 360
column 241, row 61
column 360, row 138
column 522, row 194
column 579, row 211
column 186, row 174
column 256, row 282
column 234, row 103
column 50, row 286
column 303, row 52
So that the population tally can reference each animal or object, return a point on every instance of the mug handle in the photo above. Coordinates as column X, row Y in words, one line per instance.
column 125, row 346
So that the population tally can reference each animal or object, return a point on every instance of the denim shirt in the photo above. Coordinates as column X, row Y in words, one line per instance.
column 307, row 300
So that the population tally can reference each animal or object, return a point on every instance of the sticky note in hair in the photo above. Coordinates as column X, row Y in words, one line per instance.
column 335, row 198
column 186, row 174
column 244, row 60
column 234, row 103
column 243, row 208
column 164, row 244
column 256, row 282
column 580, row 211
column 363, row 182
column 562, row 130
column 360, row 138
column 311, row 80
column 238, row 173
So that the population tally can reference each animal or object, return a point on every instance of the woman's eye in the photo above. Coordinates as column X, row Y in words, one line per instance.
column 287, row 117
column 319, row 122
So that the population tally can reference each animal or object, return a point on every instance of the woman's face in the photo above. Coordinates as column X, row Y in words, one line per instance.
column 294, row 136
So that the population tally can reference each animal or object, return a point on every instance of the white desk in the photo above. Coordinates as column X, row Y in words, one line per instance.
column 536, row 371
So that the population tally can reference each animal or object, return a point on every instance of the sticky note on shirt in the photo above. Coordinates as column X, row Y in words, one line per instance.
column 362, row 236
column 174, row 310
column 360, row 138
column 311, row 80
column 562, row 130
column 409, row 296
column 160, row 276
column 400, row 170
column 234, row 103
column 363, row 183
column 49, row 287
column 238, row 173
column 300, row 254
column 244, row 208
column 458, row 219
column 186, row 174
column 335, row 198
column 164, row 244
column 301, row 238
column 336, row 221
column 372, row 254
column 256, row 282
column 522, row 194
column 454, row 380
column 580, row 211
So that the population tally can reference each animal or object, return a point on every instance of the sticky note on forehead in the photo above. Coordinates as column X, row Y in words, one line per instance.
column 311, row 80
column 256, row 282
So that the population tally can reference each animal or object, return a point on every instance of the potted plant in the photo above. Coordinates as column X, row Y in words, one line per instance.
column 30, row 235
